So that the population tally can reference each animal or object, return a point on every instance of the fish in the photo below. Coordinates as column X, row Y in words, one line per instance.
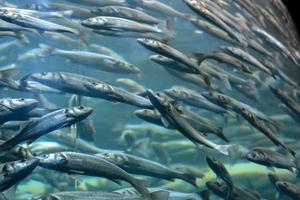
column 28, row 21
column 116, row 94
column 221, row 190
column 84, row 164
column 254, row 121
column 41, row 126
column 220, row 170
column 98, row 3
column 127, row 13
column 201, row 10
column 13, row 172
column 136, row 87
column 6, row 76
column 11, row 109
column 122, row 24
column 86, row 195
column 243, row 55
column 270, row 158
column 223, row 57
column 170, row 116
column 289, row 189
column 154, row 117
column 92, row 60
column 140, row 166
column 192, row 98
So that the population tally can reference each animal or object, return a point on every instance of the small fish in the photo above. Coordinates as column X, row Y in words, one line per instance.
column 220, row 170
column 6, row 74
column 28, row 21
column 115, row 94
column 13, row 172
column 121, row 24
column 127, row 13
column 84, row 164
column 41, row 126
column 92, row 60
column 170, row 116
column 289, row 189
column 12, row 109
column 140, row 166
column 270, row 158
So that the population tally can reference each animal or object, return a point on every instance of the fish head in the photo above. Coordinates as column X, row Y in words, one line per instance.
column 161, row 104
column 212, row 162
column 145, row 113
column 20, row 166
column 176, row 92
column 220, row 188
column 286, row 187
column 95, row 21
column 160, row 59
column 99, row 86
column 149, row 43
column 256, row 156
column 20, row 105
column 43, row 76
column 79, row 113
column 216, row 98
column 6, row 13
column 52, row 159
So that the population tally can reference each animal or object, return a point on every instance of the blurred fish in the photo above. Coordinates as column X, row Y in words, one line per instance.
column 127, row 13
column 92, row 60
column 11, row 109
column 13, row 172
column 271, row 158
column 289, row 189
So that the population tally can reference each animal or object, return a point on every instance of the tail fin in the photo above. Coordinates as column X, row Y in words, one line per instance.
column 22, row 38
column 140, row 185
column 191, row 179
column 224, row 149
column 204, row 194
column 159, row 195
column 168, row 29
column 200, row 57
column 6, row 74
column 222, row 135
column 47, row 50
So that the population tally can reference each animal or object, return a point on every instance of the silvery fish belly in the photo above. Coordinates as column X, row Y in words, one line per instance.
column 149, row 100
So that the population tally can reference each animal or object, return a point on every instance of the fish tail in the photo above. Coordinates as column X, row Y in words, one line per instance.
column 47, row 50
column 168, row 29
column 159, row 195
column 222, row 135
column 224, row 149
column 200, row 57
column 191, row 179
column 204, row 194
column 6, row 74
column 22, row 38
column 140, row 185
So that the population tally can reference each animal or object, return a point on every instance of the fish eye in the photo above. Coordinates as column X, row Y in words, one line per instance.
column 5, row 11
column 81, row 107
column 94, row 83
column 22, row 99
column 45, row 156
column 44, row 73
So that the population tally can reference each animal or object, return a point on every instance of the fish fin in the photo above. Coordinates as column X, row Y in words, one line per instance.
column 159, row 195
column 200, row 57
column 191, row 179
column 116, row 181
column 46, row 50
column 222, row 135
column 224, row 149
column 140, row 185
column 166, row 122
column 22, row 37
column 6, row 74
column 204, row 194
column 226, row 82
column 168, row 28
